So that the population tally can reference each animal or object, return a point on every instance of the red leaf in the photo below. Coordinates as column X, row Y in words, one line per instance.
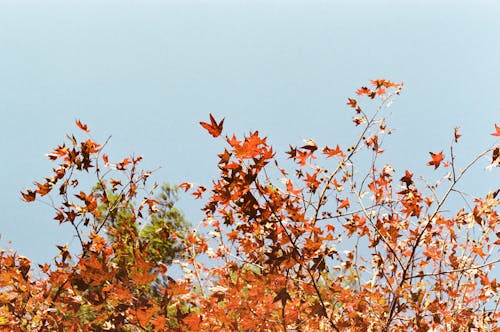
column 497, row 131
column 437, row 158
column 213, row 128
column 82, row 126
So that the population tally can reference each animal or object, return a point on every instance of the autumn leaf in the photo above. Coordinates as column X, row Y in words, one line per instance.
column 259, row 239
column 186, row 186
column 43, row 189
column 82, row 126
column 214, row 128
column 352, row 102
column 144, row 315
column 363, row 91
column 344, row 204
column 456, row 134
column 283, row 296
column 29, row 196
column 407, row 179
column 497, row 131
column 123, row 164
column 311, row 145
column 292, row 152
column 437, row 158
column 329, row 152
column 495, row 159
column 192, row 321
column 199, row 191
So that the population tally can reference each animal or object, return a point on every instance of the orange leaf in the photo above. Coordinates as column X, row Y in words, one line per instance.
column 456, row 134
column 29, row 196
column 192, row 321
column 497, row 131
column 213, row 128
column 199, row 191
column 186, row 186
column 344, row 204
column 437, row 158
column 122, row 164
column 363, row 91
column 144, row 315
column 82, row 126
column 333, row 152
column 352, row 102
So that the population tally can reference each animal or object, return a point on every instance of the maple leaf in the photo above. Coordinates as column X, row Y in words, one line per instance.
column 192, row 321
column 312, row 181
column 437, row 158
column 292, row 152
column 29, row 196
column 384, row 83
column 82, row 126
column 283, row 296
column 407, row 179
column 122, row 164
column 344, row 204
column 224, row 157
column 199, row 192
column 379, row 83
column 497, row 131
column 214, row 128
column 352, row 102
column 333, row 152
column 302, row 156
column 290, row 189
column 186, row 186
column 363, row 91
column 105, row 159
column 381, row 91
column 311, row 145
column 456, row 134
column 43, row 189
column 358, row 120
column 495, row 159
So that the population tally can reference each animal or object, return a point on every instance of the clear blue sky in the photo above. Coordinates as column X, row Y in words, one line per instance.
column 146, row 72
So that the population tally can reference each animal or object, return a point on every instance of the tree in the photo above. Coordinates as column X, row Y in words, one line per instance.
column 164, row 230
column 354, row 245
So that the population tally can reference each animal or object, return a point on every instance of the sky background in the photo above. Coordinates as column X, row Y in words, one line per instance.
column 146, row 72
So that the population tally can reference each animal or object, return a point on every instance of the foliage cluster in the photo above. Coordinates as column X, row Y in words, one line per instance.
column 338, row 242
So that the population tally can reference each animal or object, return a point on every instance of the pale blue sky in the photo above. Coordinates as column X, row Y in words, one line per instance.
column 147, row 72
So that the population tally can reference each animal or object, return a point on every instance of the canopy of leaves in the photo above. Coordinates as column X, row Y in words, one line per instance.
column 332, row 241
